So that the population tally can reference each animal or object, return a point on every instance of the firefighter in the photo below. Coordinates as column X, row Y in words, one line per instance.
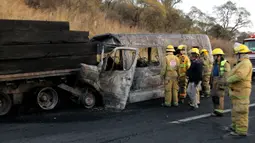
column 221, row 67
column 184, row 66
column 207, row 70
column 194, row 74
column 239, row 82
column 170, row 73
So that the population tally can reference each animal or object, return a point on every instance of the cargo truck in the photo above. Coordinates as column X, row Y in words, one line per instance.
column 37, row 56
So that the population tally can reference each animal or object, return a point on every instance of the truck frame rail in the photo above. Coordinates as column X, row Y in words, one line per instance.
column 33, row 75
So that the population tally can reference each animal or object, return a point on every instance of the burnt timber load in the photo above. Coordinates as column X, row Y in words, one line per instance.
column 34, row 46
column 34, row 58
column 33, row 25
column 42, row 37
column 37, row 56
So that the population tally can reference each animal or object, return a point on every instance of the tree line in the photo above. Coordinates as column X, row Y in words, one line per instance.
column 162, row 16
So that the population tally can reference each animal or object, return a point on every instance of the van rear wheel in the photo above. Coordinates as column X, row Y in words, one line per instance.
column 5, row 104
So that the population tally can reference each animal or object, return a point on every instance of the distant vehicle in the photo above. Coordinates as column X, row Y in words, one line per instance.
column 250, row 42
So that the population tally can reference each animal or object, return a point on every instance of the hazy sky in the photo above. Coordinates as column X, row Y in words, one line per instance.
column 207, row 6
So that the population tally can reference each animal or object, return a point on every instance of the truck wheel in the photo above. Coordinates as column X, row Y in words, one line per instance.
column 88, row 99
column 5, row 104
column 47, row 98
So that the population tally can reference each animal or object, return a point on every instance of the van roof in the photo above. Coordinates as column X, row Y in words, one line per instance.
column 149, row 40
column 159, row 40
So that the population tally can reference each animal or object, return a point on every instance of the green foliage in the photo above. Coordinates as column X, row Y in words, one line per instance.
column 151, row 15
column 161, row 15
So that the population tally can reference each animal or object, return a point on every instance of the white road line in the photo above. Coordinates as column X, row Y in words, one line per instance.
column 201, row 116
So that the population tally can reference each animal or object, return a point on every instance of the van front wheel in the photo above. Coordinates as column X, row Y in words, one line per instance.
column 88, row 98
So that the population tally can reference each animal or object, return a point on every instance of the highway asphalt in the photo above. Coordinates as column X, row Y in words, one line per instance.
column 145, row 122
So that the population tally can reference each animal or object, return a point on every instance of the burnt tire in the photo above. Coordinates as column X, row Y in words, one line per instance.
column 5, row 104
column 47, row 98
column 88, row 99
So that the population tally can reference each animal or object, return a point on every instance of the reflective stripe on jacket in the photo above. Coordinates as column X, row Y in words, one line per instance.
column 222, row 67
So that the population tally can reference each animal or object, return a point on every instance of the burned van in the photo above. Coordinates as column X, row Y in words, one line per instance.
column 130, row 65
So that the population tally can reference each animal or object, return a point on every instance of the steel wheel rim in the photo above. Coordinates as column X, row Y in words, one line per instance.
column 47, row 98
column 89, row 100
column 5, row 104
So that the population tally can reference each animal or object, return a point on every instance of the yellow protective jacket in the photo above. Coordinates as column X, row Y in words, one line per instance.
column 184, row 64
column 170, row 66
column 207, row 65
column 240, row 76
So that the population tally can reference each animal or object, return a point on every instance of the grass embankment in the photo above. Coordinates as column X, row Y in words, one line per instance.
column 94, row 22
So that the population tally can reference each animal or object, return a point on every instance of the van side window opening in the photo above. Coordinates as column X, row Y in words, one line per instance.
column 120, row 60
column 148, row 57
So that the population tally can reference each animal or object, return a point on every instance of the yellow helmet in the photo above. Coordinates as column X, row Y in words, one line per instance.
column 217, row 51
column 182, row 47
column 241, row 49
column 203, row 51
column 194, row 50
column 170, row 48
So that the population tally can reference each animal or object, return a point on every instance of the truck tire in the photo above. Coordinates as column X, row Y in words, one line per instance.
column 47, row 98
column 5, row 104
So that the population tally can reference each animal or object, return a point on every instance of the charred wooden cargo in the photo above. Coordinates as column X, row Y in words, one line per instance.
column 32, row 25
column 42, row 37
column 36, row 56
column 33, row 46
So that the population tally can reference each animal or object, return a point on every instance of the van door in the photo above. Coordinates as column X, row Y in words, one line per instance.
column 116, row 76
column 148, row 83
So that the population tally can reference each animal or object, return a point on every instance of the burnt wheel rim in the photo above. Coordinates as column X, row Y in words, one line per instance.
column 1, row 103
column 88, row 100
column 5, row 104
column 47, row 98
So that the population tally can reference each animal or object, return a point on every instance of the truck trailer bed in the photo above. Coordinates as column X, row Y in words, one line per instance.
column 34, row 75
